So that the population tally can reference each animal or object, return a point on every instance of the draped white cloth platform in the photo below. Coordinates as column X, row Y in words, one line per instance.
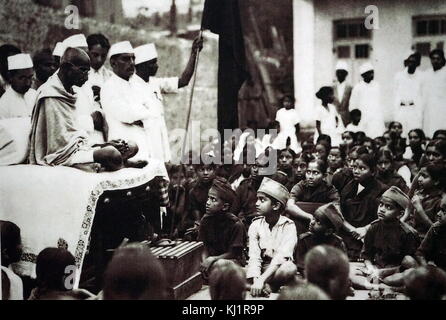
column 55, row 206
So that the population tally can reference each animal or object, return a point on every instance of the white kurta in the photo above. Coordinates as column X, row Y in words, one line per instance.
column 434, row 94
column 331, row 124
column 98, row 77
column 276, row 244
column 124, row 103
column 288, row 120
column 155, row 124
column 366, row 97
column 16, row 105
column 408, row 99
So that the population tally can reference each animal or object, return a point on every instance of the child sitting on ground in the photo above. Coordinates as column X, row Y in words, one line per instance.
column 55, row 278
column 389, row 241
column 432, row 249
column 386, row 172
column 197, row 199
column 285, row 159
column 313, row 189
column 134, row 273
column 178, row 201
column 327, row 220
column 227, row 281
column 272, row 239
column 11, row 250
column 245, row 203
column 300, row 165
column 335, row 163
column 328, row 268
column 426, row 283
column 222, row 233
column 426, row 200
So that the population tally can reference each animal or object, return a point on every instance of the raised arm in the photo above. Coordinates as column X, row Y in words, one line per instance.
column 189, row 70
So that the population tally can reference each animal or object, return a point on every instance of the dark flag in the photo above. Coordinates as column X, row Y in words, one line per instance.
column 223, row 18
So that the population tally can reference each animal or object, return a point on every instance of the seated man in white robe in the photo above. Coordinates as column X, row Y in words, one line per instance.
column 19, row 98
column 55, row 138
column 90, row 116
column 146, row 61
column 124, row 103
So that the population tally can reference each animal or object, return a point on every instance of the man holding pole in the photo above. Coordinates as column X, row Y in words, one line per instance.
column 146, row 61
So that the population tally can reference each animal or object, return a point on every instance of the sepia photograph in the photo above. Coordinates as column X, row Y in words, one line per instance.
column 223, row 155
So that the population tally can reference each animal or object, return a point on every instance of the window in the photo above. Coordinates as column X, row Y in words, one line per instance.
column 351, row 29
column 430, row 26
column 343, row 52
column 362, row 51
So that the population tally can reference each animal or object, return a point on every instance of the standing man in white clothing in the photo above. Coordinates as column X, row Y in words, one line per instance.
column 18, row 99
column 434, row 93
column 123, row 100
column 408, row 98
column 342, row 92
column 146, row 60
column 366, row 97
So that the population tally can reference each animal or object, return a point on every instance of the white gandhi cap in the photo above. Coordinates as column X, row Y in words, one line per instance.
column 120, row 48
column 20, row 61
column 342, row 65
column 145, row 53
column 58, row 49
column 365, row 68
column 76, row 41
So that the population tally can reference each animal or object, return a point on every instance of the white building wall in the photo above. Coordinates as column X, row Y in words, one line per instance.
column 389, row 43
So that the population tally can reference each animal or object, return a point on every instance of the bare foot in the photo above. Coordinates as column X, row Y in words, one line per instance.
column 135, row 164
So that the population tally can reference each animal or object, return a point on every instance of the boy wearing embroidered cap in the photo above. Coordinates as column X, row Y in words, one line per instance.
column 222, row 233
column 19, row 98
column 326, row 222
column 388, row 240
column 272, row 239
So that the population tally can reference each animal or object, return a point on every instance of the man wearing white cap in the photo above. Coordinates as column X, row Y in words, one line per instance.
column 19, row 98
column 408, row 98
column 366, row 97
column 146, row 61
column 124, row 101
column 58, row 52
column 342, row 91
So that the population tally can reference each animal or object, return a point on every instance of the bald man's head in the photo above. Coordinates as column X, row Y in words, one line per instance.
column 328, row 268
column 74, row 67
